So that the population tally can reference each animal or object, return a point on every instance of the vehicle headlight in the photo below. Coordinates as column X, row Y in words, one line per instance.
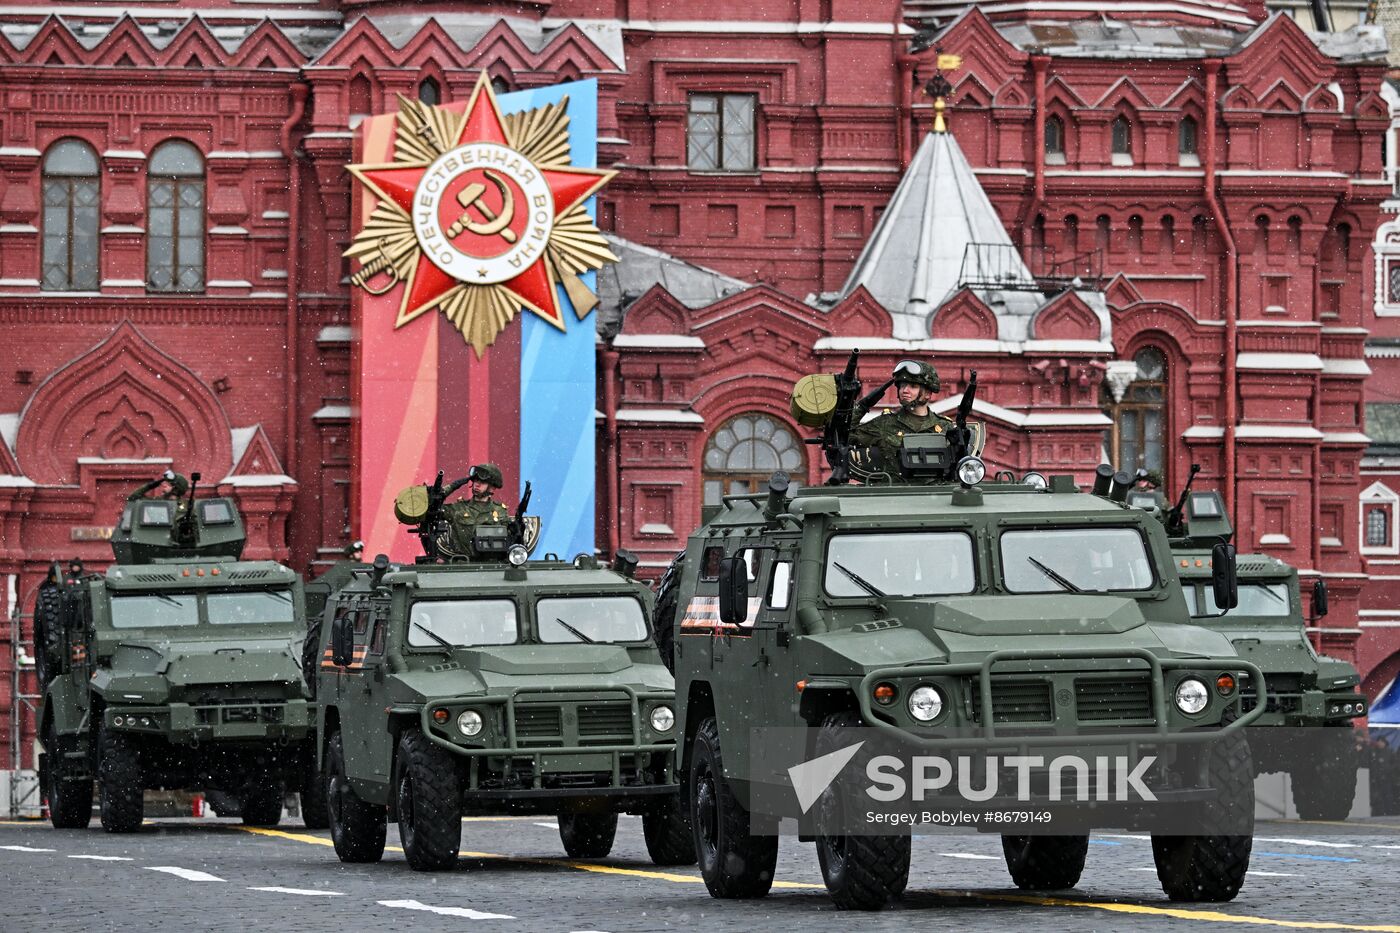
column 663, row 719
column 1191, row 696
column 925, row 703
column 517, row 555
column 1035, row 480
column 469, row 722
column 971, row 471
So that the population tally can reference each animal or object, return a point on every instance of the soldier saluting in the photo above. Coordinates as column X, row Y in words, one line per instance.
column 178, row 486
column 915, row 384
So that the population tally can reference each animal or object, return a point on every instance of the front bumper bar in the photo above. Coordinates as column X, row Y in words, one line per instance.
column 1157, row 668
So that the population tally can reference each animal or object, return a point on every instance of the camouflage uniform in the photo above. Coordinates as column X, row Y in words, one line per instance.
column 886, row 432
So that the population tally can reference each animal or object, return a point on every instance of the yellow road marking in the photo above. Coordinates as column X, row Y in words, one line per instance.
column 1213, row 916
column 527, row 860
column 1177, row 913
column 34, row 822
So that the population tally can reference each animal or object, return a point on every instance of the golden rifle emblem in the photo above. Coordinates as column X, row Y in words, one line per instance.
column 480, row 215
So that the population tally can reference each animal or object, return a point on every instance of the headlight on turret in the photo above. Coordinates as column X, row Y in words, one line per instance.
column 469, row 722
column 971, row 471
column 663, row 719
column 925, row 704
column 1191, row 696
column 517, row 555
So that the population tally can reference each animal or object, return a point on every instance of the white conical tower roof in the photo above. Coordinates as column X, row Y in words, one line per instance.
column 914, row 258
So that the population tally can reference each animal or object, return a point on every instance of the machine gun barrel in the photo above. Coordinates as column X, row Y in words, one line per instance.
column 1173, row 518
column 836, row 440
column 961, row 434
column 517, row 524
column 186, row 528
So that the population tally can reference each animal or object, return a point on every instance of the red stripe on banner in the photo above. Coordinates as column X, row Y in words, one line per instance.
column 478, row 404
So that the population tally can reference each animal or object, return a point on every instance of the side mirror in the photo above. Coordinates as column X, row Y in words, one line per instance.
column 343, row 640
column 1319, row 598
column 733, row 591
column 1223, row 579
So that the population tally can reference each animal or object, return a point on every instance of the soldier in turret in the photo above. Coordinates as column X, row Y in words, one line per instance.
column 915, row 384
column 178, row 487
column 480, row 508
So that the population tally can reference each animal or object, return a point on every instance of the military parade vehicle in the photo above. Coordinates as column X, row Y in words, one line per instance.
column 940, row 611
column 1306, row 727
column 178, row 668
column 480, row 681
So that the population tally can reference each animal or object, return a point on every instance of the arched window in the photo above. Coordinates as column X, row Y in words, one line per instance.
column 744, row 452
column 1122, row 139
column 175, row 219
column 1139, row 417
column 1055, row 141
column 429, row 92
column 1186, row 142
column 71, row 215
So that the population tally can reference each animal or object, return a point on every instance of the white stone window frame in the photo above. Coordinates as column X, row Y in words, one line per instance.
column 1379, row 494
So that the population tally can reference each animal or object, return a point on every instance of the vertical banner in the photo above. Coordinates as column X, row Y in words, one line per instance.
column 475, row 263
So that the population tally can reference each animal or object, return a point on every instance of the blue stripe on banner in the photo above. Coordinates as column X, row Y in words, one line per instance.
column 558, row 381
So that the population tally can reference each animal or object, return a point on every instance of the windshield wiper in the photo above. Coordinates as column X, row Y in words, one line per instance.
column 447, row 645
column 575, row 632
column 167, row 599
column 1055, row 575
column 1272, row 594
column 282, row 596
column 859, row 581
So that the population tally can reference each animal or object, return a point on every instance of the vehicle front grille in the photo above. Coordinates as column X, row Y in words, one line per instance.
column 1100, row 699
column 604, row 723
column 1016, row 701
column 534, row 723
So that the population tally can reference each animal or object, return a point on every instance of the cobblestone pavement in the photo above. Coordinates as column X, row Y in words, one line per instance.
column 215, row 875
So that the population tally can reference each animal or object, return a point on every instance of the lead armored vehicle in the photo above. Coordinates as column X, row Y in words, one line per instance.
column 176, row 669
column 956, row 616
column 1306, row 725
column 494, row 686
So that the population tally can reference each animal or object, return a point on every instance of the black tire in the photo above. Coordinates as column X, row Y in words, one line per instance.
column 119, row 774
column 429, row 804
column 1212, row 867
column 587, row 835
column 1324, row 784
column 1045, row 863
column 663, row 619
column 315, row 814
column 861, row 872
column 358, row 829
column 670, row 839
column 262, row 801
column 48, row 633
column 311, row 657
column 223, row 803
column 734, row 862
column 70, row 801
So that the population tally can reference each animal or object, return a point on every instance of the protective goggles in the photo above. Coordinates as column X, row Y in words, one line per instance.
column 908, row 367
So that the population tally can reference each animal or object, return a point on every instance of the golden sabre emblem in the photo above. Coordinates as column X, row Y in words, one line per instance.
column 470, row 197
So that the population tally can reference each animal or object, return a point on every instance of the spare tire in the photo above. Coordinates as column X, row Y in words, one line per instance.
column 663, row 620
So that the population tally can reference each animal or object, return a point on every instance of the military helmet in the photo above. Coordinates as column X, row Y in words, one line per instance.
column 917, row 372
column 178, row 484
column 487, row 473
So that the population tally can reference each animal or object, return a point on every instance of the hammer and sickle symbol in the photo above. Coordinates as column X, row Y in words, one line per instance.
column 470, row 197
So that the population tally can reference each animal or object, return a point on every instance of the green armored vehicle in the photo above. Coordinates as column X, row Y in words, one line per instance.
column 1306, row 727
column 499, row 686
column 961, row 617
column 177, row 669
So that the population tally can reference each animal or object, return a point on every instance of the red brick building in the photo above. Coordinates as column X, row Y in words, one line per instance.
column 173, row 204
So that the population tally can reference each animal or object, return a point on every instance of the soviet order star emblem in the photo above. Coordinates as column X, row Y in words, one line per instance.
column 480, row 215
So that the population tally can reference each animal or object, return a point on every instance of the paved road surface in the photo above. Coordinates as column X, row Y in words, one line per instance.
column 208, row 874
